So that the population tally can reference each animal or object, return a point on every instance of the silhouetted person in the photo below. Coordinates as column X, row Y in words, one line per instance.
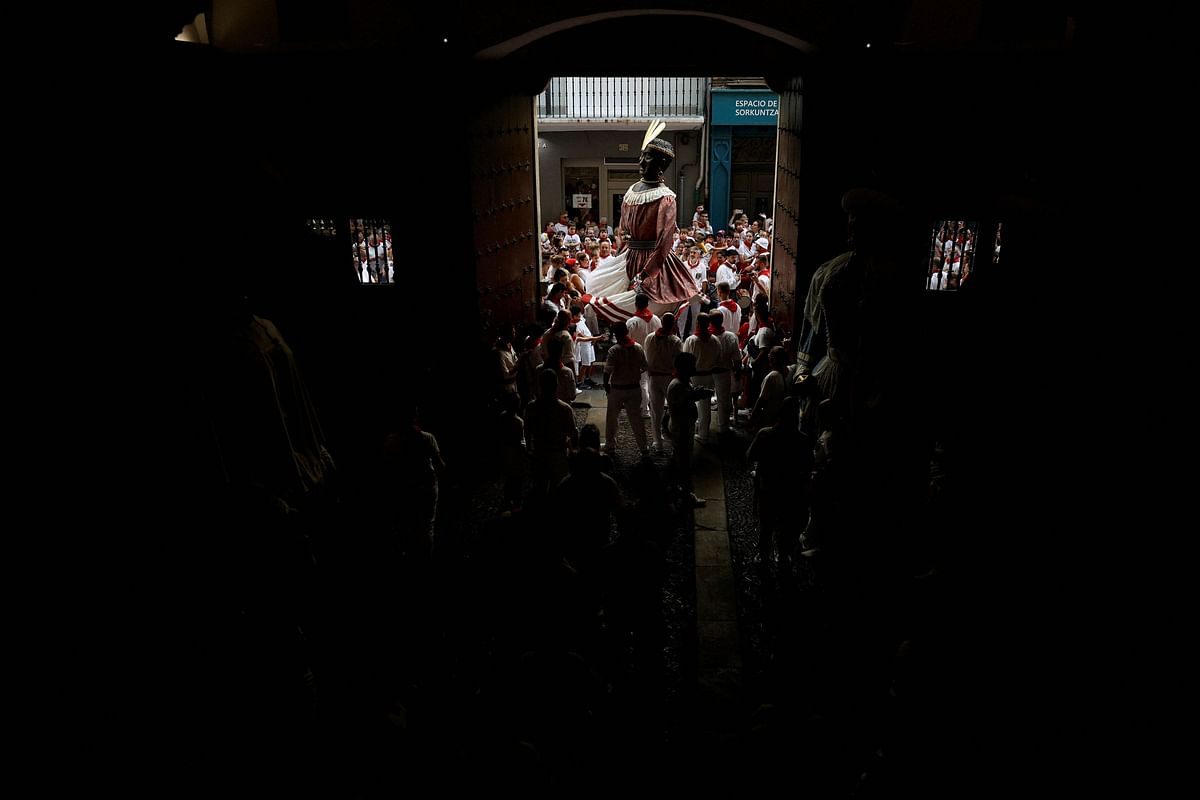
column 681, row 406
column 549, row 431
column 411, row 461
column 783, row 472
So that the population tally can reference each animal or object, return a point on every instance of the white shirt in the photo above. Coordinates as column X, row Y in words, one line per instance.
column 639, row 328
column 568, row 353
column 770, row 396
column 731, row 319
column 589, row 316
column 661, row 352
column 625, row 365
column 707, row 352
column 728, row 274
column 731, row 354
column 761, row 285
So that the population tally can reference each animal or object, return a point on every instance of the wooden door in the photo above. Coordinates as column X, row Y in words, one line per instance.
column 506, row 245
column 785, row 235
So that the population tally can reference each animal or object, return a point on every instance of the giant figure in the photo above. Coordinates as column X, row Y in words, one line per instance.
column 648, row 263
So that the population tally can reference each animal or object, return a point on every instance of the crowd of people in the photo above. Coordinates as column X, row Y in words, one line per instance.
column 952, row 254
column 512, row 657
column 371, row 251
column 719, row 354
column 738, row 254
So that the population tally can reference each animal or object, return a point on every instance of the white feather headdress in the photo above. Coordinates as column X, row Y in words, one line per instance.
column 656, row 127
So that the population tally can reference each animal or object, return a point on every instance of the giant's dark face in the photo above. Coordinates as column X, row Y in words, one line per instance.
column 653, row 163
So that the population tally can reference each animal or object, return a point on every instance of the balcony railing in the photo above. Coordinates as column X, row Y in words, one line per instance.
column 622, row 98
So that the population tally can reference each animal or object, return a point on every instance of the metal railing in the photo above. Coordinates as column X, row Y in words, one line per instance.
column 622, row 98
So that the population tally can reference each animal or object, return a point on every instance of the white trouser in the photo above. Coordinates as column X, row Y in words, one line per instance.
column 704, row 407
column 723, row 384
column 693, row 308
column 630, row 400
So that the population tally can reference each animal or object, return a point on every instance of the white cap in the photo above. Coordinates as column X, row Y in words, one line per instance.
column 763, row 242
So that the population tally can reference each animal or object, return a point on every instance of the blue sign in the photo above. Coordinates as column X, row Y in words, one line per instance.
column 744, row 107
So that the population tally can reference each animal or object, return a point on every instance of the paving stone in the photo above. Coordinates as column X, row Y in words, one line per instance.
column 595, row 416
column 707, row 459
column 712, row 549
column 708, row 484
column 711, row 517
column 715, row 595
column 717, row 644
column 596, row 398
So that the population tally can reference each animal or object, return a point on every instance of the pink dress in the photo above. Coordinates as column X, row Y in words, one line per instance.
column 650, row 216
column 667, row 277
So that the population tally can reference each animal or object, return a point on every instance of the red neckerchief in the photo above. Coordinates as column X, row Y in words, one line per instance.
column 716, row 330
column 765, row 271
column 729, row 304
column 645, row 314
column 628, row 342
column 661, row 331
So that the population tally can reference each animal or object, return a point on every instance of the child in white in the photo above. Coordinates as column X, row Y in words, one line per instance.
column 585, row 352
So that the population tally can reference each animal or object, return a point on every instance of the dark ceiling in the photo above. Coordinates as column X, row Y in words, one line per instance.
column 826, row 25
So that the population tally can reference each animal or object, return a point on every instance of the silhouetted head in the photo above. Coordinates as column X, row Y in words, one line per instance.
column 685, row 365
column 870, row 217
column 589, row 436
column 789, row 411
column 547, row 384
